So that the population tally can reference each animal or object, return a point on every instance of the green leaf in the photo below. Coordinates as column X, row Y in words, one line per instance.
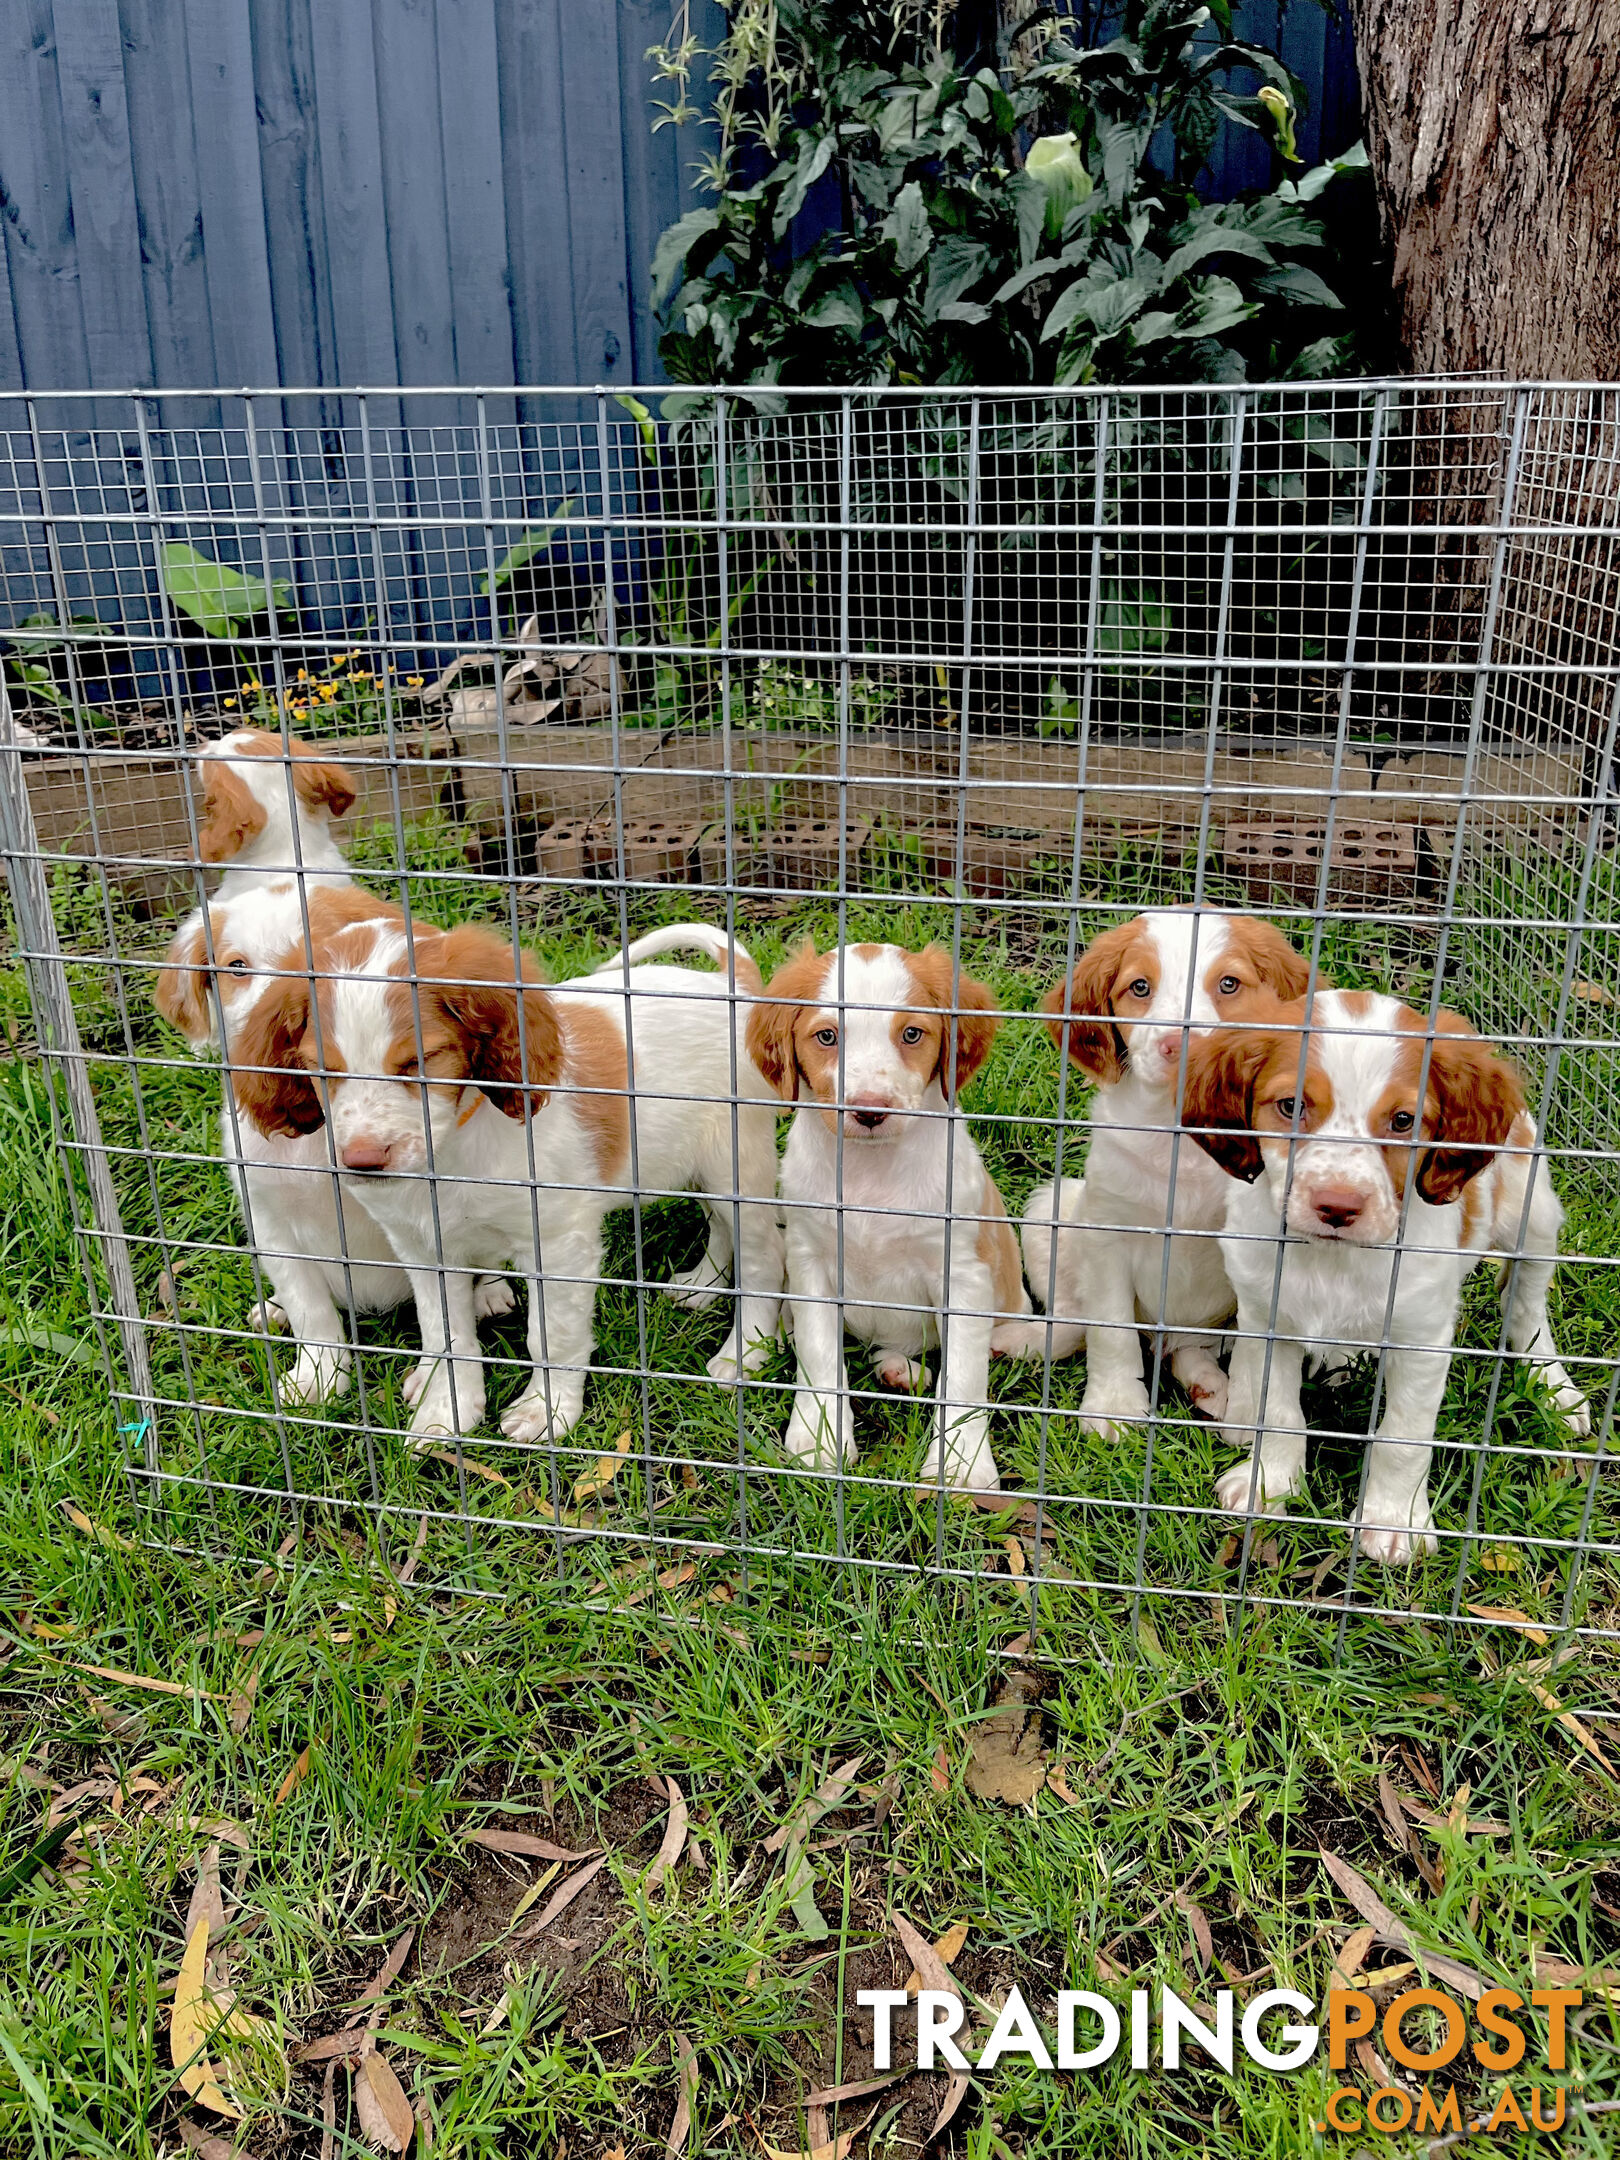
column 837, row 309
column 1294, row 282
column 956, row 264
column 216, row 597
column 1309, row 185
column 908, row 227
column 675, row 245
column 1217, row 240
column 814, row 158
column 644, row 420
column 539, row 537
column 1217, row 305
column 1099, row 298
column 28, row 1334
column 800, row 1884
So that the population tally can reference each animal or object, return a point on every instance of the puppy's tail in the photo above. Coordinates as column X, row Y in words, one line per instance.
column 1035, row 1235
column 699, row 937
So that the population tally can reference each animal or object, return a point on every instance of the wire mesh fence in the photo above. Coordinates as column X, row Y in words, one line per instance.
column 1152, row 853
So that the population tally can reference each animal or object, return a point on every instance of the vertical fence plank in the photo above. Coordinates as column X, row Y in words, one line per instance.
column 42, row 256
column 168, row 200
column 95, row 122
column 659, row 185
column 535, row 179
column 593, row 143
column 231, row 189
column 294, row 211
column 475, row 195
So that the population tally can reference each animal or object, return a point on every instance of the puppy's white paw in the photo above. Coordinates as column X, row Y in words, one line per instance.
column 819, row 1434
column 417, row 1379
column 439, row 1415
column 1232, row 1491
column 266, row 1318
column 1398, row 1548
column 1029, row 1338
column 1572, row 1405
column 316, row 1375
column 968, row 1463
column 492, row 1296
column 534, row 1417
column 728, row 1367
column 697, row 1289
column 1209, row 1395
column 1119, row 1402
column 897, row 1371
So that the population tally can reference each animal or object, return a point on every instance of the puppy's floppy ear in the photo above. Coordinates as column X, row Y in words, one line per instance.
column 272, row 1084
column 966, row 1041
column 514, row 1045
column 1479, row 1095
column 181, row 991
column 1218, row 1107
column 772, row 1022
column 1080, row 1011
column 1276, row 962
column 232, row 814
column 320, row 785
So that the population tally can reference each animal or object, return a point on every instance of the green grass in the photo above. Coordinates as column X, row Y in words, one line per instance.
column 1211, row 1749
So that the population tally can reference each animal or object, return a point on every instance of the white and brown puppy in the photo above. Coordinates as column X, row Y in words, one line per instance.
column 890, row 1212
column 1361, row 1207
column 267, row 811
column 487, row 1121
column 1135, row 997
column 315, row 1257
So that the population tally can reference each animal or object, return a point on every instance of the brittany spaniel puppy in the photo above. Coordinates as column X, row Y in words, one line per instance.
column 484, row 1120
column 267, row 811
column 222, row 960
column 881, row 1180
column 1124, row 1016
column 1328, row 1151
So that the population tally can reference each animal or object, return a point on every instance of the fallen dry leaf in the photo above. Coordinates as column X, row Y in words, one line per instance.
column 599, row 1478
column 671, row 1579
column 207, row 1899
column 947, row 1948
column 240, row 1711
column 1352, row 1956
column 674, row 1838
column 207, row 2144
column 939, row 1771
column 351, row 2041
column 828, row 1796
column 562, row 1898
column 386, row 2117
column 188, row 2030
column 837, row 2148
column 523, row 1843
column 927, row 1965
column 294, row 1778
column 1511, row 1616
column 1377, row 1914
column 1502, row 1562
column 473, row 1469
column 93, row 1529
column 1005, row 1758
column 143, row 1680
column 830, row 2095
column 955, row 2094
column 1057, row 1781
column 680, row 2128
column 117, row 1723
column 531, row 1895
column 1017, row 1559
column 389, row 1970
column 1387, row 1975
column 1203, row 1940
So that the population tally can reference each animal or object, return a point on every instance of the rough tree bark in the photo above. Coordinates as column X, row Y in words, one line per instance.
column 1493, row 127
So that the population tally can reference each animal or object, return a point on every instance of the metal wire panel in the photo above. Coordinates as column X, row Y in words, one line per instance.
column 993, row 670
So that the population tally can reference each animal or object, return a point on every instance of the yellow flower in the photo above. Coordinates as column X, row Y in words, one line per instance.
column 362, row 675
column 252, row 683
column 303, row 674
column 230, row 701
column 413, row 682
column 329, row 690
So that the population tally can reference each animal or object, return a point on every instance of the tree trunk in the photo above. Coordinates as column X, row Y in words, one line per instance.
column 1493, row 127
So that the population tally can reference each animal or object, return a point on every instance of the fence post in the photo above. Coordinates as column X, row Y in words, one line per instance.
column 45, row 965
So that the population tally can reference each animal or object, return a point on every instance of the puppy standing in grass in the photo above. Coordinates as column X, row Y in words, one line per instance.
column 1124, row 1016
column 1338, row 1174
column 880, row 1173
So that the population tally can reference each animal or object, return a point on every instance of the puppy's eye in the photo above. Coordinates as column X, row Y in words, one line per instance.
column 1141, row 988
column 238, row 966
column 911, row 1035
column 1401, row 1121
column 412, row 1071
column 827, row 1037
column 1228, row 986
column 1285, row 1107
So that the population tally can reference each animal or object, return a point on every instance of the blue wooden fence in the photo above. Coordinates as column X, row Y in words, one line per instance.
column 221, row 192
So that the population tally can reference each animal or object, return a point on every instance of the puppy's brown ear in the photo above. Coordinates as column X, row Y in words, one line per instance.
column 232, row 814
column 182, row 989
column 966, row 1041
column 272, row 1083
column 1276, row 962
column 513, row 1043
column 320, row 785
column 1218, row 1106
column 1480, row 1096
column 1080, row 1011
column 771, row 1023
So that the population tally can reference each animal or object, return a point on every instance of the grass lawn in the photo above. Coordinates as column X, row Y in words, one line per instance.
column 338, row 1689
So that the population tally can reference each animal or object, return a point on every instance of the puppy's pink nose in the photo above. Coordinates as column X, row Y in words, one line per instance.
column 1338, row 1206
column 867, row 1112
column 365, row 1155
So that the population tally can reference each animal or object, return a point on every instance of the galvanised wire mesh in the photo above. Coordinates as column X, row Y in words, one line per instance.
column 989, row 671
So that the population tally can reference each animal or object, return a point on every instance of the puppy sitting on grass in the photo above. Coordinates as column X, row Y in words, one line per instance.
column 891, row 1216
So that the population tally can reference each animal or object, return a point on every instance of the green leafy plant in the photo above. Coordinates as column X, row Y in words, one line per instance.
column 1038, row 223
column 218, row 599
